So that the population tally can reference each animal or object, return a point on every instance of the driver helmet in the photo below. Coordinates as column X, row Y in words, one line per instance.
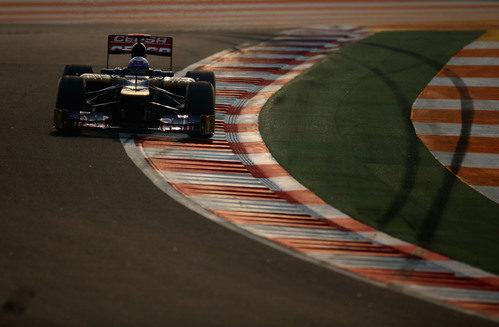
column 138, row 66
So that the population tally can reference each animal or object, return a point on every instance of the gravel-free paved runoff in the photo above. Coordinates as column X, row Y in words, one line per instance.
column 87, row 240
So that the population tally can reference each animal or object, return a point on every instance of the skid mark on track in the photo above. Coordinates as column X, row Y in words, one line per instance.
column 234, row 180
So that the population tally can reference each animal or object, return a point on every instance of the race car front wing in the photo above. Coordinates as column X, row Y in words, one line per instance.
column 204, row 124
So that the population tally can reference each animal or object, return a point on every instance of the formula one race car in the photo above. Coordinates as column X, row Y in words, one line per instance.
column 136, row 97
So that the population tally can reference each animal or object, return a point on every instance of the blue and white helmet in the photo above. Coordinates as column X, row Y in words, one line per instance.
column 138, row 66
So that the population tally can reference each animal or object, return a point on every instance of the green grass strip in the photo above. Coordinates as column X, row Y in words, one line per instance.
column 343, row 130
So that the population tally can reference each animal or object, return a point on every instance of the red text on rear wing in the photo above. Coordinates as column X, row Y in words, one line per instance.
column 155, row 45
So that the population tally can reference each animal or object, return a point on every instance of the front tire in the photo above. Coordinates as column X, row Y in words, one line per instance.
column 200, row 101
column 70, row 97
column 203, row 76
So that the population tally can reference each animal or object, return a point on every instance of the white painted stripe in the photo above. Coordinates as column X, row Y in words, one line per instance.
column 172, row 153
column 483, row 45
column 219, row 136
column 324, row 211
column 282, row 183
column 244, row 137
column 464, row 81
column 237, row 86
column 464, row 270
column 219, row 116
column 242, row 74
column 259, row 158
column 473, row 61
column 249, row 65
column 326, row 234
column 271, row 56
column 456, row 104
column 211, row 179
column 455, row 129
column 475, row 160
column 226, row 100
column 272, row 88
column 382, row 238
column 302, row 233
column 457, row 294
column 380, row 262
column 245, row 205
column 257, row 101
column 241, row 119
column 297, row 43
column 337, row 36
column 304, row 66
column 290, row 49
column 492, row 192
column 289, row 76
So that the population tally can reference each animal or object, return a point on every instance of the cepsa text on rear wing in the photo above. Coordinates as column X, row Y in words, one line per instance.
column 155, row 45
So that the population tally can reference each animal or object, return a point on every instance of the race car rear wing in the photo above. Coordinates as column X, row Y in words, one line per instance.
column 155, row 45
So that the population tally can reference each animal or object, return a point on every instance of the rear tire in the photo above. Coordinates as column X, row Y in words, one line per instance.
column 203, row 76
column 70, row 97
column 200, row 101
column 77, row 70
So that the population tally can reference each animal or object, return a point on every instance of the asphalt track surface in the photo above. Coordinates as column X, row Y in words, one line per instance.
column 87, row 240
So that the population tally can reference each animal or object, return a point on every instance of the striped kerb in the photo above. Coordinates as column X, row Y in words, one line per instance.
column 235, row 177
column 457, row 115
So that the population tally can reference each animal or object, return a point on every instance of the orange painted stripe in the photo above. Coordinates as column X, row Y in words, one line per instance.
column 267, row 171
column 452, row 92
column 240, row 128
column 244, row 80
column 469, row 71
column 184, row 143
column 219, row 125
column 493, row 280
column 488, row 117
column 236, row 68
column 226, row 191
column 287, row 61
column 252, row 109
column 423, row 278
column 223, row 108
column 479, row 176
column 449, row 143
column 250, row 147
column 420, row 253
column 351, row 225
column 334, row 246
column 478, row 53
column 211, row 2
column 296, row 53
column 487, row 308
column 188, row 165
column 300, row 197
column 242, row 94
column 273, row 219
column 277, row 45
